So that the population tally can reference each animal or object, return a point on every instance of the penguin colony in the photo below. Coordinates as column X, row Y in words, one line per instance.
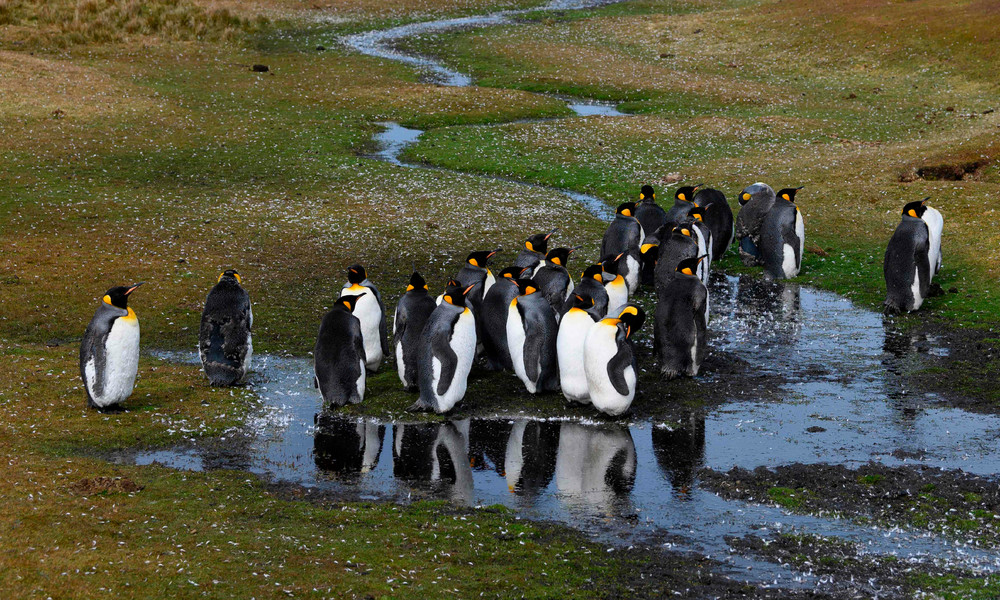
column 532, row 318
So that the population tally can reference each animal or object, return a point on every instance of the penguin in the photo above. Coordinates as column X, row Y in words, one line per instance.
column 677, row 246
column 717, row 214
column 371, row 313
column 592, row 285
column 531, row 339
column 782, row 237
column 412, row 313
column 339, row 354
column 908, row 265
column 681, row 321
column 447, row 349
column 755, row 202
column 573, row 329
column 648, row 253
column 617, row 287
column 623, row 233
column 224, row 341
column 935, row 227
column 609, row 361
column 683, row 202
column 553, row 279
column 535, row 248
column 435, row 453
column 476, row 272
column 703, row 235
column 649, row 214
column 494, row 317
column 109, row 352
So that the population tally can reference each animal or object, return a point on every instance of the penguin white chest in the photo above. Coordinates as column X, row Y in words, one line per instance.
column 515, row 345
column 935, row 227
column 617, row 295
column 121, row 362
column 369, row 314
column 463, row 344
column 573, row 330
column 789, row 264
column 490, row 280
column 600, row 347
column 632, row 281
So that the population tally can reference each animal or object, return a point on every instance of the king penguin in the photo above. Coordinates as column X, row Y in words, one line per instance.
column 623, row 233
column 412, row 313
column 109, row 352
column 592, row 285
column 553, row 279
column 476, row 272
column 617, row 287
column 681, row 321
column 609, row 361
column 535, row 248
column 683, row 202
column 447, row 349
column 935, row 227
column 783, row 237
column 908, row 265
column 755, row 202
column 494, row 317
column 224, row 341
column 371, row 313
column 531, row 339
column 340, row 354
column 703, row 235
column 717, row 214
column 573, row 329
column 648, row 212
column 678, row 245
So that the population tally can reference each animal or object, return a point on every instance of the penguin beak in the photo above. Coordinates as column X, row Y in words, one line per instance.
column 574, row 249
column 492, row 254
column 133, row 288
column 619, row 256
column 697, row 186
column 551, row 232
column 466, row 290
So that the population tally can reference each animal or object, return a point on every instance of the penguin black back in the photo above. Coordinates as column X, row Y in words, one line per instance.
column 340, row 354
column 494, row 318
column 412, row 312
column 535, row 248
column 649, row 214
column 719, row 217
column 225, row 344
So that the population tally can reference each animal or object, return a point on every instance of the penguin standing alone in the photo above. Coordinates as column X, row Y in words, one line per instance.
column 494, row 317
column 755, row 202
column 531, row 339
column 573, row 330
column 648, row 212
column 412, row 312
column 681, row 321
column 447, row 349
column 909, row 265
column 224, row 340
column 371, row 313
column 609, row 361
column 109, row 352
column 535, row 248
column 340, row 354
column 783, row 237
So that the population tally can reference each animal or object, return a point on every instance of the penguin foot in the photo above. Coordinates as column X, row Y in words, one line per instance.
column 890, row 308
column 419, row 406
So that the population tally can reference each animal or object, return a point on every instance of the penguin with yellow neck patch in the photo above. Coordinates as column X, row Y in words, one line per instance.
column 339, row 354
column 755, row 202
column 447, row 349
column 648, row 212
column 683, row 202
column 370, row 311
column 609, row 360
column 531, row 339
column 703, row 235
column 109, row 352
column 225, row 344
column 573, row 329
column 591, row 285
column 616, row 287
column 909, row 266
column 718, row 216
column 494, row 317
column 623, row 233
column 681, row 321
column 553, row 279
column 679, row 244
column 412, row 312
column 783, row 237
column 534, row 251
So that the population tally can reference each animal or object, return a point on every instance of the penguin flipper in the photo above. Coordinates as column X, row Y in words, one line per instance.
column 442, row 351
column 382, row 328
column 619, row 362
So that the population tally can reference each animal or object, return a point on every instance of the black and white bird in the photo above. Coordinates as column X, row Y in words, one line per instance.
column 531, row 339
column 910, row 263
column 412, row 312
column 370, row 311
column 609, row 361
column 109, row 352
column 339, row 354
column 783, row 237
column 225, row 343
column 535, row 248
column 755, row 202
column 447, row 349
column 649, row 214
column 623, row 233
column 681, row 321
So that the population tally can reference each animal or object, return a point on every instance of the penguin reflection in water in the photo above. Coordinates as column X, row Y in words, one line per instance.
column 109, row 353
column 595, row 465
column 224, row 340
column 609, row 361
column 447, row 348
column 912, row 257
column 371, row 313
column 340, row 355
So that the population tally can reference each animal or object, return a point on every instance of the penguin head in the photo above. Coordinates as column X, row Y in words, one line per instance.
column 682, row 231
column 416, row 283
column 481, row 258
column 539, row 242
column 686, row 193
column 916, row 209
column 595, row 271
column 559, row 256
column 349, row 301
column 356, row 274
column 689, row 266
column 610, row 264
column 231, row 273
column 757, row 190
column 649, row 250
column 118, row 296
column 632, row 316
column 626, row 209
column 455, row 294
column 647, row 194
column 788, row 194
column 526, row 287
column 697, row 213
column 582, row 301
column 513, row 272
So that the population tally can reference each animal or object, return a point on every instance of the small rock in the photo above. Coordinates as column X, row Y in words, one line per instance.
column 851, row 96
column 697, row 31
column 953, row 290
column 988, row 111
column 320, row 48
column 58, row 113
column 950, row 109
column 260, row 69
column 668, row 55
column 815, row 429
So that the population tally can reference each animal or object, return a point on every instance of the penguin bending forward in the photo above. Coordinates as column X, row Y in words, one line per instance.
column 909, row 266
column 531, row 338
column 412, row 313
column 340, row 354
column 109, row 352
column 534, row 250
column 371, row 313
column 609, row 361
column 224, row 340
column 783, row 237
column 681, row 321
column 447, row 349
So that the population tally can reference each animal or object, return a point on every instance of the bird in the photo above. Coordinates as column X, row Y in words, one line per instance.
column 531, row 339
column 717, row 214
column 109, row 352
column 339, row 354
column 447, row 349
column 649, row 214
column 609, row 360
column 617, row 287
column 782, row 237
column 591, row 284
column 412, row 312
column 225, row 343
column 371, row 313
column 681, row 321
column 476, row 272
column 679, row 244
column 703, row 235
column 553, row 279
column 683, row 202
column 909, row 265
column 624, row 231
column 535, row 248
column 494, row 318
column 573, row 329
column 755, row 202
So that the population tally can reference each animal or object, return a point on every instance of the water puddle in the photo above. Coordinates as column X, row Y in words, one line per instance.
column 636, row 482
